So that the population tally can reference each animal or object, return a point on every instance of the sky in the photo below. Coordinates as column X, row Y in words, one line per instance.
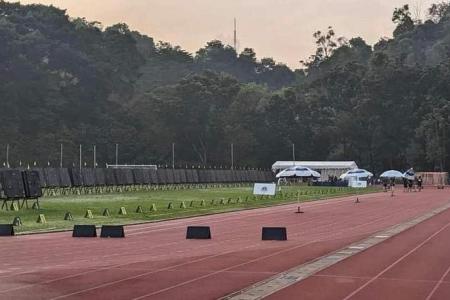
column 281, row 29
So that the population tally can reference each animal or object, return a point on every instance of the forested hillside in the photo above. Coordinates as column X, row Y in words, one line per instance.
column 69, row 80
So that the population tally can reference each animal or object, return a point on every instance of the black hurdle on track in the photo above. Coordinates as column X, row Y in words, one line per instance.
column 198, row 232
column 274, row 234
column 112, row 231
column 84, row 231
column 6, row 230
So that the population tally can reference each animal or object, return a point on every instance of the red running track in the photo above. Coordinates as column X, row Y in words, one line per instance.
column 155, row 261
column 413, row 265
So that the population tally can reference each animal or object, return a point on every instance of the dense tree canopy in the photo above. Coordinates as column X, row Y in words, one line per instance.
column 70, row 81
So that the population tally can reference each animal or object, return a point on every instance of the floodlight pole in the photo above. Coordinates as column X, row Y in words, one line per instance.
column 232, row 156
column 293, row 154
column 173, row 155
column 7, row 155
column 117, row 154
column 235, row 36
column 61, row 156
column 81, row 164
column 95, row 156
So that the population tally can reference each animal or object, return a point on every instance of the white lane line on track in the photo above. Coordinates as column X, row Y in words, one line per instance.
column 438, row 284
column 384, row 278
column 396, row 262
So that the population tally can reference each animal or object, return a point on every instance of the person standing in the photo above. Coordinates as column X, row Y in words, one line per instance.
column 392, row 186
column 419, row 183
column 410, row 185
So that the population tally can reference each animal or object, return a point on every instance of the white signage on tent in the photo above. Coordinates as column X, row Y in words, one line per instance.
column 266, row 189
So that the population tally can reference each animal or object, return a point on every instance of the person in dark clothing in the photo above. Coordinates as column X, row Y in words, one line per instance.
column 419, row 183
column 410, row 185
column 405, row 184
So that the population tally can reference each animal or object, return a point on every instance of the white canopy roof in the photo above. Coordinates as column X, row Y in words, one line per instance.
column 316, row 165
column 298, row 172
column 356, row 173
column 392, row 174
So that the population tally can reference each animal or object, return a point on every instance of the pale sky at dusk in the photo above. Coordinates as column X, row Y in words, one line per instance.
column 281, row 29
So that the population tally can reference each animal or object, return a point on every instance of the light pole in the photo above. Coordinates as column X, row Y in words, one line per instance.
column 7, row 155
column 81, row 164
column 173, row 155
column 232, row 156
column 95, row 156
column 61, row 156
column 293, row 153
column 117, row 154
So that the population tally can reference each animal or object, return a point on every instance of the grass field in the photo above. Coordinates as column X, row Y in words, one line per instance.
column 196, row 202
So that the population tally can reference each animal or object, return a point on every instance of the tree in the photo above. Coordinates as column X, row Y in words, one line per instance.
column 433, row 131
column 248, row 55
column 402, row 17
column 174, row 53
column 216, row 51
column 267, row 64
column 326, row 44
column 437, row 11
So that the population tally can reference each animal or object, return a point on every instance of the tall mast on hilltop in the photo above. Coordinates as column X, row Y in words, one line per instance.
column 235, row 36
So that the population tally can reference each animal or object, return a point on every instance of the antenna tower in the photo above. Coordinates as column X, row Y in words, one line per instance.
column 235, row 36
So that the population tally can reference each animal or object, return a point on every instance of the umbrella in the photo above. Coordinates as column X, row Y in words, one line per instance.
column 298, row 171
column 410, row 174
column 358, row 173
column 392, row 174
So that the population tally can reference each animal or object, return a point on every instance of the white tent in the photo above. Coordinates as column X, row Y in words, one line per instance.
column 392, row 174
column 325, row 168
column 356, row 174
column 298, row 172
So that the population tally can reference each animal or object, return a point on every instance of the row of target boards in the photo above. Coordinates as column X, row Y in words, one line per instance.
column 64, row 177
